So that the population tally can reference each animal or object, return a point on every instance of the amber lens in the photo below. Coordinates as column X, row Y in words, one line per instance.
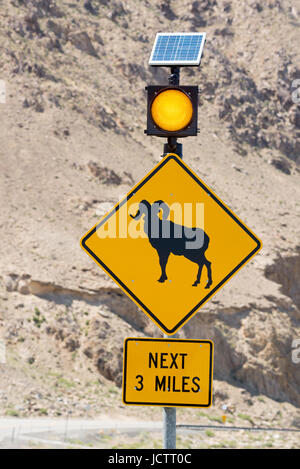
column 172, row 110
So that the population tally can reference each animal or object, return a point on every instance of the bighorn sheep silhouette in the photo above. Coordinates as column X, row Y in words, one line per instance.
column 168, row 237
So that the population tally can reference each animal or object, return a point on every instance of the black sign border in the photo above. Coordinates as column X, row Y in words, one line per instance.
column 167, row 404
column 125, row 287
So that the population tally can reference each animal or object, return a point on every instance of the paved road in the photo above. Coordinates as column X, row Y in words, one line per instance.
column 13, row 430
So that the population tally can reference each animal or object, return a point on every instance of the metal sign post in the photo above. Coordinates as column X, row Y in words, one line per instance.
column 169, row 413
column 169, row 428
column 169, row 422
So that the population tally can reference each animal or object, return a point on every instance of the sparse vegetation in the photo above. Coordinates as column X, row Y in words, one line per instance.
column 12, row 413
column 214, row 418
column 246, row 417
column 38, row 318
column 65, row 382
column 73, row 141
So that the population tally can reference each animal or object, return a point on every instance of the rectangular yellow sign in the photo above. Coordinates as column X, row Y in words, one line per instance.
column 168, row 372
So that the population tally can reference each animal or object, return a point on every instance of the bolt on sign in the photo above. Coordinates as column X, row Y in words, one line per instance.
column 170, row 244
column 168, row 372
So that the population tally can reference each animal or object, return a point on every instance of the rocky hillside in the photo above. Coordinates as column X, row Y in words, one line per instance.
column 73, row 143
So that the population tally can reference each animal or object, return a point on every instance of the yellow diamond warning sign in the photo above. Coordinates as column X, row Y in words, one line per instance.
column 170, row 244
column 168, row 372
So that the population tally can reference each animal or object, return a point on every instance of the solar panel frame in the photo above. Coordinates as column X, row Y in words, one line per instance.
column 177, row 45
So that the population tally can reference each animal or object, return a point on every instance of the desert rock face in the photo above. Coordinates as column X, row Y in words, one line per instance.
column 73, row 144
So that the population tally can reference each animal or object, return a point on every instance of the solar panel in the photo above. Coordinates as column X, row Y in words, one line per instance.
column 177, row 49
